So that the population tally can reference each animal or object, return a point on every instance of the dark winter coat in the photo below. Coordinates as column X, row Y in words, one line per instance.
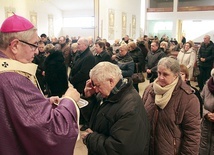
column 103, row 56
column 207, row 127
column 176, row 128
column 56, row 74
column 207, row 52
column 126, row 64
column 120, row 125
column 152, row 60
column 84, row 62
column 138, row 58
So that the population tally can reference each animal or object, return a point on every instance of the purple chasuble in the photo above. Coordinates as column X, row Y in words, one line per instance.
column 29, row 124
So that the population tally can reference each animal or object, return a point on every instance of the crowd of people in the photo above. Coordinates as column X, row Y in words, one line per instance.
column 39, row 100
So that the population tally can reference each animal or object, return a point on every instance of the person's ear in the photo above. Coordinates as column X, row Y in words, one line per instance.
column 176, row 75
column 112, row 82
column 14, row 46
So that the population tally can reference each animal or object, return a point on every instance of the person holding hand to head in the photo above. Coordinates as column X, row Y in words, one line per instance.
column 30, row 122
column 118, row 123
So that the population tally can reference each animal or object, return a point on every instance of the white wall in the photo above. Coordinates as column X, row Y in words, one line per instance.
column 43, row 9
column 119, row 6
column 185, row 16
column 24, row 7
column 194, row 24
column 78, row 31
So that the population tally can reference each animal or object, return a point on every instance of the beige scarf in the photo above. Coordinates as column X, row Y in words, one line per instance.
column 163, row 94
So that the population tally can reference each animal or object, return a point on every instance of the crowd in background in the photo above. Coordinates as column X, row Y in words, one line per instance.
column 66, row 60
column 169, row 117
column 125, row 52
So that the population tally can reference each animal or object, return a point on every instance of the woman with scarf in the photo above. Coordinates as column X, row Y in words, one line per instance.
column 173, row 111
column 124, row 61
column 207, row 127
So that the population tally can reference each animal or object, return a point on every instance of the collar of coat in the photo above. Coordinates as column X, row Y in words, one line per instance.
column 118, row 90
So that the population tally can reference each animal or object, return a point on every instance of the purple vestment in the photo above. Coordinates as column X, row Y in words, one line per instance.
column 29, row 124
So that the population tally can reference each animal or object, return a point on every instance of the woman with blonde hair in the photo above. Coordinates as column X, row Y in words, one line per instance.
column 187, row 57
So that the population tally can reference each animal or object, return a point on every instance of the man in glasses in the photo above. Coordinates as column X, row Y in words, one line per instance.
column 30, row 123
column 118, row 123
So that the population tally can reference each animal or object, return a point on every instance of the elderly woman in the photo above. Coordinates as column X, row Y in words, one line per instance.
column 207, row 128
column 187, row 57
column 119, row 123
column 173, row 111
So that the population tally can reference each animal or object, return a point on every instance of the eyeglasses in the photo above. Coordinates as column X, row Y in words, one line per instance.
column 33, row 46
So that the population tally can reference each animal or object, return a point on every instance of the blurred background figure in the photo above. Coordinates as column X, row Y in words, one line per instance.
column 207, row 128
column 91, row 44
column 116, row 46
column 165, row 47
column 66, row 51
column 44, row 38
column 205, row 57
column 83, row 63
column 101, row 53
column 124, row 61
column 138, row 58
column 126, row 39
column 39, row 60
column 152, row 59
column 183, row 40
column 187, row 57
column 74, row 52
column 184, row 73
column 55, row 72
column 54, row 41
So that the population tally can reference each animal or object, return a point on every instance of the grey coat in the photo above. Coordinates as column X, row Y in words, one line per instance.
column 207, row 127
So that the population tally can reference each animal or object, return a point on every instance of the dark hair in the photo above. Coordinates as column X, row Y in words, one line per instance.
column 101, row 44
column 43, row 35
column 156, row 42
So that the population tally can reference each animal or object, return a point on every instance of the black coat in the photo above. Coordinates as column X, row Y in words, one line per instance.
column 138, row 58
column 103, row 56
column 120, row 125
column 56, row 74
column 39, row 60
column 84, row 62
column 207, row 52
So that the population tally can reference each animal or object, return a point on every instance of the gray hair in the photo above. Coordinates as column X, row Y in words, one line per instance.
column 6, row 38
column 105, row 70
column 83, row 41
column 171, row 64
